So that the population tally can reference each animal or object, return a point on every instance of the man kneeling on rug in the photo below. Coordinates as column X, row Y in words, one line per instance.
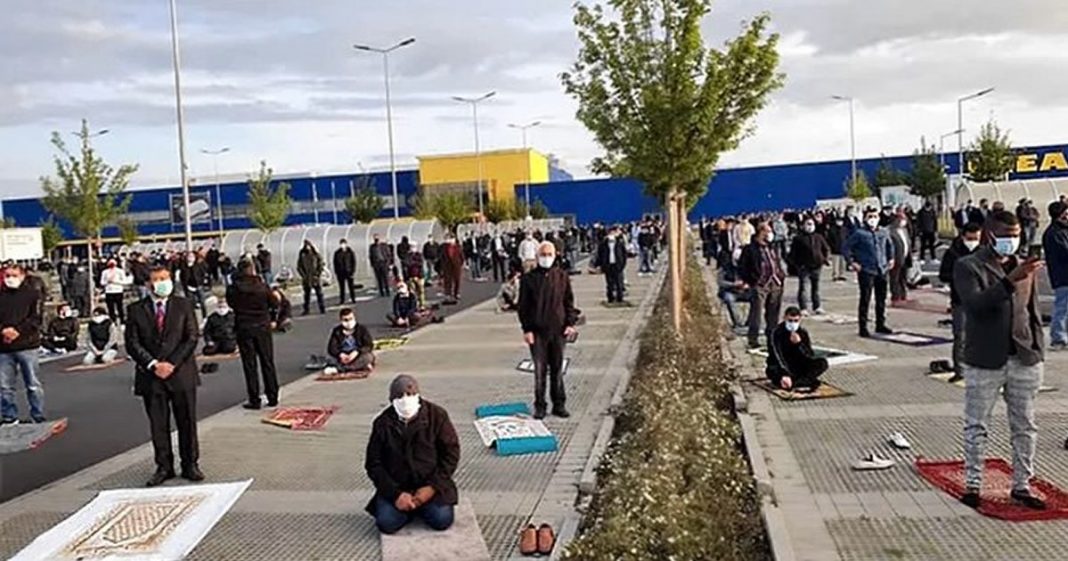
column 792, row 365
column 407, row 312
column 103, row 339
column 411, row 458
column 351, row 347
column 220, row 336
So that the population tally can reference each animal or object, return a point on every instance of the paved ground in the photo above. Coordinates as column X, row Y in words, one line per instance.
column 310, row 488
column 106, row 419
column 833, row 513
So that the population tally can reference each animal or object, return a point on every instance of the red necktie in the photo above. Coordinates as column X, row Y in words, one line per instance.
column 161, row 314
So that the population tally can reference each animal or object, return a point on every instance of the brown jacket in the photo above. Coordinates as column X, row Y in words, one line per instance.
column 546, row 302
column 402, row 457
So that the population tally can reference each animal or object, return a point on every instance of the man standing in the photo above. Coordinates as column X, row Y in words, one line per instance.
column 250, row 299
column 612, row 258
column 452, row 268
column 760, row 267
column 114, row 281
column 310, row 269
column 263, row 263
column 499, row 256
column 431, row 256
column 547, row 315
column 161, row 338
column 869, row 252
column 927, row 224
column 20, row 342
column 528, row 252
column 1003, row 344
column 344, row 271
column 963, row 246
column 902, row 259
column 380, row 258
column 809, row 252
column 1055, row 248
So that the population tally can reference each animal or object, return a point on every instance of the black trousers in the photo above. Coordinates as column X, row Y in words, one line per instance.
column 382, row 279
column 257, row 346
column 342, row 283
column 927, row 243
column 868, row 283
column 318, row 288
column 547, row 352
column 68, row 344
column 115, row 311
column 613, row 280
column 160, row 405
column 500, row 268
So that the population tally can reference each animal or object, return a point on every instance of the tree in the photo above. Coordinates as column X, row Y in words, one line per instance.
column 51, row 235
column 928, row 178
column 422, row 207
column 499, row 210
column 269, row 206
column 990, row 156
column 452, row 209
column 539, row 211
column 859, row 190
column 661, row 104
column 886, row 175
column 86, row 192
column 7, row 222
column 128, row 231
column 365, row 205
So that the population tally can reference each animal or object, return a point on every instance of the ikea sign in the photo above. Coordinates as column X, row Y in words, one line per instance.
column 1047, row 162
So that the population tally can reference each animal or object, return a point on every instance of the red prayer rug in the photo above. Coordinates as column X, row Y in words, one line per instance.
column 997, row 483
column 301, row 418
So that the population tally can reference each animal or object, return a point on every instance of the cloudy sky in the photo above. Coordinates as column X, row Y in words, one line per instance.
column 279, row 80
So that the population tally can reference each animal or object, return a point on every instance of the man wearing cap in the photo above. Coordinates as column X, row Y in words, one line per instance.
column 411, row 458
column 1055, row 249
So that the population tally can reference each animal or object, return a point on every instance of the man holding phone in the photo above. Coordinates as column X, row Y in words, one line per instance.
column 1003, row 352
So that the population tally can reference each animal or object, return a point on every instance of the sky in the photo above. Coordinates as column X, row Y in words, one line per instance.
column 278, row 80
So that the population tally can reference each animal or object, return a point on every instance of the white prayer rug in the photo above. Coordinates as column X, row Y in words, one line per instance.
column 835, row 357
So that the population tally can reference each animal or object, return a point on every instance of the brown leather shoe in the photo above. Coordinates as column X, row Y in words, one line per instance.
column 546, row 539
column 528, row 540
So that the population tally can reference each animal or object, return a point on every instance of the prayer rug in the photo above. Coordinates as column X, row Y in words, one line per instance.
column 527, row 365
column 918, row 306
column 945, row 377
column 342, row 376
column 86, row 368
column 360, row 299
column 825, row 391
column 27, row 436
column 997, row 483
column 301, row 418
column 832, row 318
column 912, row 339
column 497, row 409
column 214, row 358
column 416, row 542
column 389, row 343
column 515, row 434
column 161, row 524
column 835, row 357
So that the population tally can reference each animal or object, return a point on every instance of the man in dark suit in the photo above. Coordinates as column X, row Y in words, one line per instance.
column 344, row 270
column 161, row 338
column 250, row 299
column 612, row 259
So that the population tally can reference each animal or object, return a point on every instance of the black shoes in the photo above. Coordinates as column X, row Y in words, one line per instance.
column 159, row 477
column 561, row 412
column 252, row 406
column 192, row 473
column 1026, row 499
column 864, row 333
column 971, row 499
column 539, row 413
column 883, row 330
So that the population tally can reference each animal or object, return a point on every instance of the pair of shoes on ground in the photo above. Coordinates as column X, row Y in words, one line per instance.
column 191, row 473
column 561, row 412
column 880, row 329
column 1022, row 497
column 537, row 541
column 15, row 421
column 316, row 362
column 258, row 404
column 875, row 462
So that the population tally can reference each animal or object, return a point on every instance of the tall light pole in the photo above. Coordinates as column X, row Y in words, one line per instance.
column 474, row 101
column 942, row 146
column 218, row 187
column 181, row 127
column 852, row 137
column 524, row 129
column 389, row 113
column 960, row 127
column 89, row 239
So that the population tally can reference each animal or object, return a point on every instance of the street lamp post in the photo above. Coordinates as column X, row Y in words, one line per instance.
column 852, row 137
column 89, row 240
column 942, row 146
column 524, row 129
column 181, row 129
column 474, row 101
column 218, row 187
column 960, row 127
column 389, row 113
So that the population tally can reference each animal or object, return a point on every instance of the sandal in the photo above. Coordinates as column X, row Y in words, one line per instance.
column 528, row 540
column 546, row 539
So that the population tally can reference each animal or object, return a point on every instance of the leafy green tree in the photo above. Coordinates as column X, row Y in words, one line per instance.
column 7, row 222
column 422, row 206
column 365, row 205
column 662, row 104
column 499, row 210
column 539, row 211
column 268, row 205
column 859, row 190
column 51, row 235
column 452, row 209
column 928, row 178
column 128, row 231
column 886, row 175
column 86, row 192
column 990, row 156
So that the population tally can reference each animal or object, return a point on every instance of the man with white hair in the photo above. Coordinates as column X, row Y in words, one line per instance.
column 547, row 314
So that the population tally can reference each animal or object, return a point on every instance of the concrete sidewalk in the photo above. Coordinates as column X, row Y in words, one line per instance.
column 309, row 489
column 832, row 513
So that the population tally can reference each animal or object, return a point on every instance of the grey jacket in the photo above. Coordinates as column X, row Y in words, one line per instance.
column 988, row 300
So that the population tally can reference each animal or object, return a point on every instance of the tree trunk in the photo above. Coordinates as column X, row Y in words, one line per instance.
column 675, row 260
column 92, row 285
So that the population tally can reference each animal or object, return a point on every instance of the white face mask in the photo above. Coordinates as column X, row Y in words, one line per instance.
column 349, row 324
column 810, row 228
column 546, row 261
column 793, row 326
column 407, row 406
column 100, row 319
column 873, row 223
column 13, row 282
column 971, row 244
column 770, row 238
column 1006, row 246
column 222, row 311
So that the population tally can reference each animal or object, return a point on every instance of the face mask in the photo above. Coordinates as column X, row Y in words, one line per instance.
column 971, row 244
column 163, row 288
column 349, row 324
column 64, row 313
column 770, row 238
column 222, row 311
column 810, row 228
column 902, row 224
column 13, row 282
column 407, row 406
column 792, row 326
column 100, row 319
column 1006, row 246
column 546, row 261
column 873, row 223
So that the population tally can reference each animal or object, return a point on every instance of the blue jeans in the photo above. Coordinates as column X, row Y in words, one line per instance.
column 1058, row 326
column 647, row 260
column 729, row 302
column 390, row 520
column 10, row 365
column 811, row 279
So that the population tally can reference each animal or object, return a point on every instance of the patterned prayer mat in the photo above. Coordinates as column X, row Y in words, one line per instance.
column 301, row 418
column 825, row 391
column 87, row 368
column 912, row 339
column 920, row 306
column 27, row 436
column 997, row 483
column 342, row 376
column 164, row 523
column 389, row 343
column 832, row 318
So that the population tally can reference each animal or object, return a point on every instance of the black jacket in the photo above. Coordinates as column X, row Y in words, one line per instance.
column 380, row 254
column 546, row 302
column 402, row 457
column 344, row 262
column 782, row 354
column 620, row 252
column 809, row 252
column 927, row 220
column 1055, row 249
column 749, row 263
column 176, row 345
column 62, row 328
column 364, row 342
column 195, row 275
column 956, row 250
column 263, row 261
column 310, row 267
column 250, row 298
column 220, row 329
column 405, row 306
column 21, row 308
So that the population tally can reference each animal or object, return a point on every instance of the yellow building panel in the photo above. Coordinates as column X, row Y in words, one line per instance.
column 502, row 170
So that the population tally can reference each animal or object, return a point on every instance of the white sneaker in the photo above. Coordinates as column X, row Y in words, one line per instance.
column 820, row 311
column 898, row 440
column 873, row 462
column 330, row 371
column 805, row 313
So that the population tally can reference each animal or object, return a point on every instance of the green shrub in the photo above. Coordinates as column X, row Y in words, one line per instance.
column 674, row 483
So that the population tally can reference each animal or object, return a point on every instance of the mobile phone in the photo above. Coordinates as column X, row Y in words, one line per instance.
column 1034, row 252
